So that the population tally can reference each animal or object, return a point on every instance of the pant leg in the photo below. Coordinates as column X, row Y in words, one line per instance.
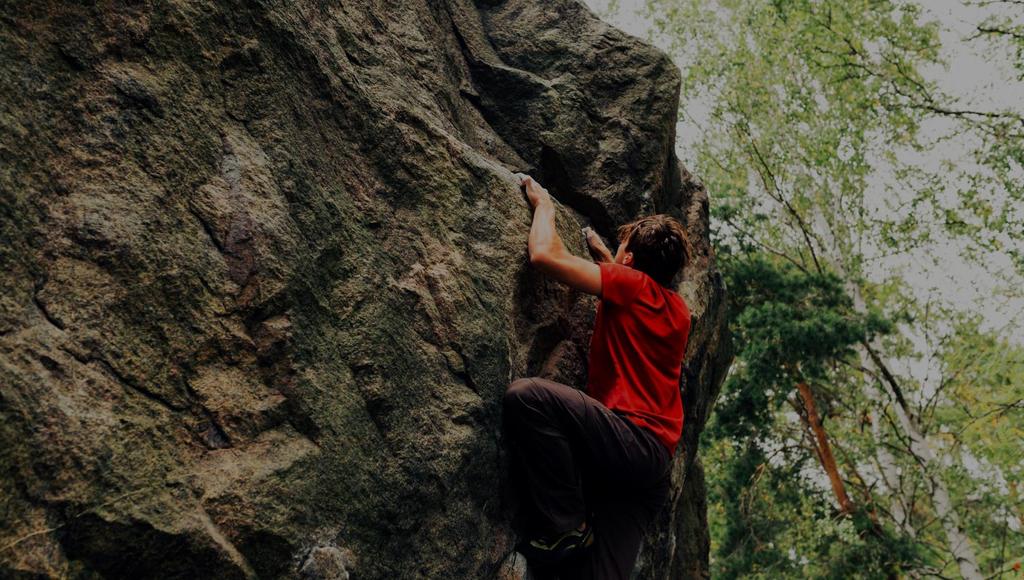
column 621, row 517
column 541, row 426
column 619, row 528
column 560, row 432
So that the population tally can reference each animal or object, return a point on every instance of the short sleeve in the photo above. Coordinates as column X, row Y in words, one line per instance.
column 620, row 284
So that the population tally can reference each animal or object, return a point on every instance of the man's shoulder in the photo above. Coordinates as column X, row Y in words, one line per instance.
column 677, row 305
column 621, row 270
column 620, row 284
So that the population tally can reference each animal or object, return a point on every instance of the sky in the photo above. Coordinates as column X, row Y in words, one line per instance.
column 975, row 74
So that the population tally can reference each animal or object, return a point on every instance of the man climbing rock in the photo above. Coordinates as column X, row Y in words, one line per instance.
column 596, row 464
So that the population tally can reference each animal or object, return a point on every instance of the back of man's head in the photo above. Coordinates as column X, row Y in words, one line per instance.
column 659, row 246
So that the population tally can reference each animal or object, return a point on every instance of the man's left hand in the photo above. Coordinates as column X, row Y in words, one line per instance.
column 534, row 192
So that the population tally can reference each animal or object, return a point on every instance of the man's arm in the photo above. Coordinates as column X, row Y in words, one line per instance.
column 547, row 252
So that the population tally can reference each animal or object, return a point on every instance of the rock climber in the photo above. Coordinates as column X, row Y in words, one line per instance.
column 596, row 465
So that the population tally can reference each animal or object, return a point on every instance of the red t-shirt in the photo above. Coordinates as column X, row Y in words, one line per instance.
column 636, row 352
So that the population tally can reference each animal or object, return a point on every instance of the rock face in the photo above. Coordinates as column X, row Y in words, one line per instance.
column 264, row 277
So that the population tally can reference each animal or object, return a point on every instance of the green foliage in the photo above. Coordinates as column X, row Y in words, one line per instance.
column 980, row 409
column 813, row 120
column 789, row 325
column 772, row 523
column 801, row 95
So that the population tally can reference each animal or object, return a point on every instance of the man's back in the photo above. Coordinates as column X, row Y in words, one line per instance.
column 637, row 349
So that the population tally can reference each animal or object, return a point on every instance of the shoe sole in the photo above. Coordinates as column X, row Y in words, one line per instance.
column 554, row 554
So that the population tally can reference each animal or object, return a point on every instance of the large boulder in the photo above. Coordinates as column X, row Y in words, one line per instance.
column 264, row 277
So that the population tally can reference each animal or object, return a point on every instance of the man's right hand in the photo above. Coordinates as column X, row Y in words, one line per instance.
column 598, row 251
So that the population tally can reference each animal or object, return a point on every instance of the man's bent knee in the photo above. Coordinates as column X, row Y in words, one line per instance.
column 520, row 391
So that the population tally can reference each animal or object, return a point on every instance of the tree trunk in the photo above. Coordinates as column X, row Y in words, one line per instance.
column 828, row 461
column 959, row 545
column 899, row 506
column 956, row 540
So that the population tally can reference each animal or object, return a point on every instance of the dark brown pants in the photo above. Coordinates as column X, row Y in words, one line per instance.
column 577, row 460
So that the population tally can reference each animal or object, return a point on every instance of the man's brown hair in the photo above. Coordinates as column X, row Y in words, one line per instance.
column 659, row 245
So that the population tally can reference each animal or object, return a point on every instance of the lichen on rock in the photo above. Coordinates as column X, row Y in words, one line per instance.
column 264, row 277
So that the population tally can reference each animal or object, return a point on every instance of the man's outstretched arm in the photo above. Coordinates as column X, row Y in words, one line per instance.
column 547, row 252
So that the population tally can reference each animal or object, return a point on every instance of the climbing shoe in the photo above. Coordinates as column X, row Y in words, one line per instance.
column 554, row 549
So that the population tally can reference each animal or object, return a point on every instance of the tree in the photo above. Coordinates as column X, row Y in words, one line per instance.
column 794, row 328
column 814, row 108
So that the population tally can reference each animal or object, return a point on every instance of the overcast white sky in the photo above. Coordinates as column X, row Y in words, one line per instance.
column 981, row 78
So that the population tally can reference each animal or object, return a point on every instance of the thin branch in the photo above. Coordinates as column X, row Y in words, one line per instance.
column 773, row 189
column 766, row 247
column 992, row 30
column 1000, row 409
column 991, row 2
column 887, row 375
